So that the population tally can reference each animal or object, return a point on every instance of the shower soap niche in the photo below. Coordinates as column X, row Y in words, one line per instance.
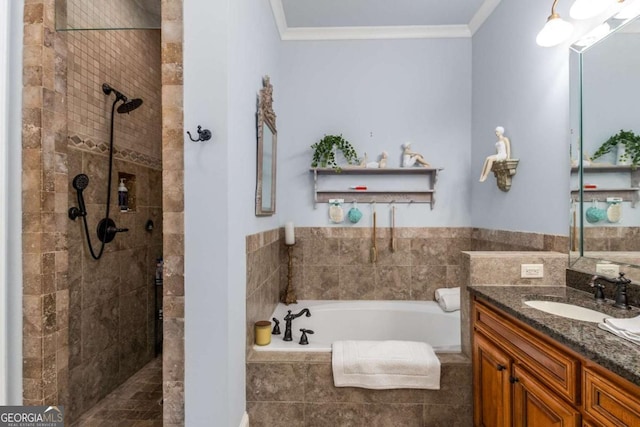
column 130, row 183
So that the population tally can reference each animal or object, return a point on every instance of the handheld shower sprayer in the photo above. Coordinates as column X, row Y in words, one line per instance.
column 79, row 183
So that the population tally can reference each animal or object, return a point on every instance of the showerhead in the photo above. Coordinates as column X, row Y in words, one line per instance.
column 80, row 182
column 129, row 106
column 107, row 89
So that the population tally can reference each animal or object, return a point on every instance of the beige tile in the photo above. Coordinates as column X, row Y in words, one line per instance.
column 334, row 414
column 275, row 414
column 357, row 282
column 275, row 382
column 393, row 283
column 393, row 415
column 319, row 387
column 448, row 415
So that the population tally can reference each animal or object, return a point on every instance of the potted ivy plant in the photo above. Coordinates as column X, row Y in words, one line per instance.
column 324, row 152
column 628, row 145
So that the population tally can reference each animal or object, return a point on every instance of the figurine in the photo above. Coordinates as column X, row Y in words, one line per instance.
column 410, row 158
column 503, row 152
column 383, row 160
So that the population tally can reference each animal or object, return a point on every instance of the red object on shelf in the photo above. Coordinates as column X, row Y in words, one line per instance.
column 358, row 187
column 590, row 186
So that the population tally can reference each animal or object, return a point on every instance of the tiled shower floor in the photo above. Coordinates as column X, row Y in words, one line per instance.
column 136, row 403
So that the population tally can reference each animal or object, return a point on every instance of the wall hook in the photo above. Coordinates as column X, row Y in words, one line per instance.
column 203, row 135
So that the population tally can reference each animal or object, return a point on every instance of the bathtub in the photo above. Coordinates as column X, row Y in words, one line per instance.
column 367, row 320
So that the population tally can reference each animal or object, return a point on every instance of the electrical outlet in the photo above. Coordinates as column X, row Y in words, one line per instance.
column 531, row 271
column 608, row 269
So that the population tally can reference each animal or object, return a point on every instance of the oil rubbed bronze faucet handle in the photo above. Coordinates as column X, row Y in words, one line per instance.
column 303, row 339
column 276, row 328
column 599, row 292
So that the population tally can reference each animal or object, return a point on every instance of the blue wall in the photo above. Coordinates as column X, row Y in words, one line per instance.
column 525, row 88
column 229, row 46
column 378, row 94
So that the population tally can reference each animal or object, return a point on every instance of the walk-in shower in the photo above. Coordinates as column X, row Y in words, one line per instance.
column 106, row 229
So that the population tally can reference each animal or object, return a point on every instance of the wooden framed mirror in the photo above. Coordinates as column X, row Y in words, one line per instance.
column 266, row 159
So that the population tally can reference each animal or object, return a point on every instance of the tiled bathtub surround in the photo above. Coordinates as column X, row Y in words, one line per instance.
column 503, row 240
column 335, row 263
column 286, row 389
column 289, row 389
column 616, row 238
column 263, row 275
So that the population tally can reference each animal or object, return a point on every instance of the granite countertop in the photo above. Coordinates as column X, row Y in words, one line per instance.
column 604, row 348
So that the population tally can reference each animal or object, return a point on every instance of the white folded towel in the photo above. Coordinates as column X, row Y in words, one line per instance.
column 630, row 336
column 446, row 291
column 630, row 325
column 448, row 298
column 385, row 365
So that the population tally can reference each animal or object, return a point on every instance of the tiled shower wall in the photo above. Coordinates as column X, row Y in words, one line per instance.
column 111, row 307
column 46, row 149
column 111, row 311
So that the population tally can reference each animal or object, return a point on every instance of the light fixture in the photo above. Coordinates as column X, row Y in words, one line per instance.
column 555, row 31
column 594, row 35
column 585, row 9
column 629, row 12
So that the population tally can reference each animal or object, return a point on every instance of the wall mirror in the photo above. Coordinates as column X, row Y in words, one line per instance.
column 267, row 143
column 605, row 99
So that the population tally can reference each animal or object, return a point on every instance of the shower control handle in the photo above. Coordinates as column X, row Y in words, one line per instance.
column 107, row 230
column 116, row 230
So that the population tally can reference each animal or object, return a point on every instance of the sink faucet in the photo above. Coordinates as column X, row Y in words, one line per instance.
column 621, row 283
column 289, row 318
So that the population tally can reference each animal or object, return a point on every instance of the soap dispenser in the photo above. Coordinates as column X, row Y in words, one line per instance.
column 123, row 196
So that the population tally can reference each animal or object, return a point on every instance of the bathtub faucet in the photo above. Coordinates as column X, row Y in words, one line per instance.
column 289, row 318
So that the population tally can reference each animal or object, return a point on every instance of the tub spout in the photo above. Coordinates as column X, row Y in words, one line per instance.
column 289, row 318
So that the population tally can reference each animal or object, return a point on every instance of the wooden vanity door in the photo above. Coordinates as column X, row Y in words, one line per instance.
column 534, row 405
column 492, row 390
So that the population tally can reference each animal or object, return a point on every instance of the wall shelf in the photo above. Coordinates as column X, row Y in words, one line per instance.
column 628, row 194
column 427, row 195
column 600, row 194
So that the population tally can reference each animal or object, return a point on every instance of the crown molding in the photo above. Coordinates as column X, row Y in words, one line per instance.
column 483, row 13
column 376, row 33
column 381, row 32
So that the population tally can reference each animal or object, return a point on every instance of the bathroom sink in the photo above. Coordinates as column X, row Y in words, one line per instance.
column 569, row 311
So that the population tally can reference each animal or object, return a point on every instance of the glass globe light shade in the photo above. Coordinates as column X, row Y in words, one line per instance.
column 554, row 32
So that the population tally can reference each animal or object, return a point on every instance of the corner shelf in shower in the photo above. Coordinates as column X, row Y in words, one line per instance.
column 426, row 195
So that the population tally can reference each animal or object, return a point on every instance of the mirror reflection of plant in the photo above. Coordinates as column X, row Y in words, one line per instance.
column 324, row 154
column 631, row 143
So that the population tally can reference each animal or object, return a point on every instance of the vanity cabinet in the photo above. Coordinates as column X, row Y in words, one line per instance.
column 609, row 400
column 519, row 378
column 522, row 377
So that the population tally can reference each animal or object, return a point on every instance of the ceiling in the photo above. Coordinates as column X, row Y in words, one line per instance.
column 379, row 19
